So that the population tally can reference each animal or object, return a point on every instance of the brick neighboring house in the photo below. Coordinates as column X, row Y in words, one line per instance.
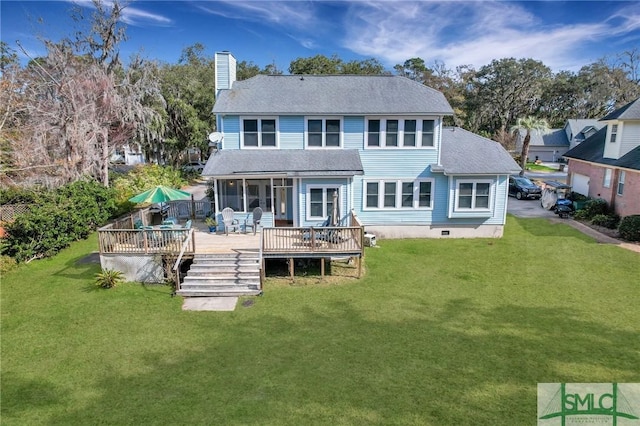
column 607, row 164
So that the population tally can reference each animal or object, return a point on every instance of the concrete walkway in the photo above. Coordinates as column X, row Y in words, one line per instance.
column 598, row 236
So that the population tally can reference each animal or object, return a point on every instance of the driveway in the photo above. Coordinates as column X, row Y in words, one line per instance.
column 527, row 208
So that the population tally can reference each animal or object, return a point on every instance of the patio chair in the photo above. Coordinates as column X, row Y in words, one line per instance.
column 229, row 222
column 188, row 224
column 255, row 220
column 319, row 234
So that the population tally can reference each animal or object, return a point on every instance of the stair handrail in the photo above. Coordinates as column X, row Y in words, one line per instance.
column 261, row 261
column 176, row 265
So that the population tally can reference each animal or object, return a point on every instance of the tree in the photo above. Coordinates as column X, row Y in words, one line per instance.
column 321, row 65
column 318, row 64
column 528, row 124
column 189, row 96
column 505, row 89
column 76, row 105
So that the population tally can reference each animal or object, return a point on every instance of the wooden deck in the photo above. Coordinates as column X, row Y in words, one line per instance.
column 179, row 243
column 270, row 242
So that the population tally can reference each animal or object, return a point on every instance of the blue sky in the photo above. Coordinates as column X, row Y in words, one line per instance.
column 564, row 35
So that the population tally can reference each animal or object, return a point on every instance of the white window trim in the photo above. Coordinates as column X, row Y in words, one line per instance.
column 606, row 183
column 324, row 132
column 325, row 196
column 398, row 204
column 621, row 178
column 457, row 208
column 401, row 121
column 618, row 132
column 242, row 119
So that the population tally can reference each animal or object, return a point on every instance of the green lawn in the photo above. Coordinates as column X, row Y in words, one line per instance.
column 540, row 168
column 438, row 332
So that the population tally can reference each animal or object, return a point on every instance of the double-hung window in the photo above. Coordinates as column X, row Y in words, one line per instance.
column 427, row 132
column 398, row 194
column 614, row 133
column 400, row 133
column 392, row 133
column 608, row 173
column 323, row 132
column 409, row 133
column 259, row 132
column 320, row 201
column 621, row 182
column 473, row 195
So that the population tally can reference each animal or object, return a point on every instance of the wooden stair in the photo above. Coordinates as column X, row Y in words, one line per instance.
column 222, row 274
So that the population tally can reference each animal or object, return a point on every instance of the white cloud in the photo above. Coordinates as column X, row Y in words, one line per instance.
column 130, row 15
column 472, row 33
column 298, row 15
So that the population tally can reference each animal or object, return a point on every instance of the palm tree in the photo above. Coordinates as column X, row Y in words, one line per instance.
column 528, row 124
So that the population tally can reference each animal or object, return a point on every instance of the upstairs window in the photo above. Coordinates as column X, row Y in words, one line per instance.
column 396, row 133
column 258, row 133
column 427, row 132
column 409, row 133
column 323, row 132
column 614, row 133
column 373, row 134
column 392, row 133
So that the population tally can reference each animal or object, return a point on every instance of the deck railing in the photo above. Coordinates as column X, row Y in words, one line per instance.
column 146, row 241
column 311, row 240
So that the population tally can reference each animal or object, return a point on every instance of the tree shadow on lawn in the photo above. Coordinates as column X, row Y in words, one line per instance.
column 339, row 364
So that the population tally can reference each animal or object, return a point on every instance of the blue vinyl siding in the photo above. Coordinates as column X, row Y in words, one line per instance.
column 353, row 132
column 291, row 132
column 380, row 164
column 231, row 129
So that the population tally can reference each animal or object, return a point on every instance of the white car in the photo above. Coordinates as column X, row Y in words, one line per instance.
column 194, row 166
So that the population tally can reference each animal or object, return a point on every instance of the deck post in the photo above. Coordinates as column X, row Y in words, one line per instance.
column 322, row 268
column 193, row 207
column 359, row 266
column 291, row 268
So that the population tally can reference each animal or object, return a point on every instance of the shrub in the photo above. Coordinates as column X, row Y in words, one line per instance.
column 581, row 215
column 576, row 196
column 629, row 228
column 109, row 278
column 592, row 208
column 608, row 221
column 59, row 217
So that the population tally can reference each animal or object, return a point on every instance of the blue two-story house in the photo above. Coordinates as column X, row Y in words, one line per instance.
column 296, row 145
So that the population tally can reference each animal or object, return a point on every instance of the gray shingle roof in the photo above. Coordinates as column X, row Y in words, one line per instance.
column 577, row 125
column 464, row 152
column 630, row 111
column 330, row 95
column 291, row 162
column 592, row 150
column 553, row 137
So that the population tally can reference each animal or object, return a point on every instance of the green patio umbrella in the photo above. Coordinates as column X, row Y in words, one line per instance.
column 159, row 194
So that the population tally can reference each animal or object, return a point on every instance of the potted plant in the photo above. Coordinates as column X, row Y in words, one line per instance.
column 211, row 223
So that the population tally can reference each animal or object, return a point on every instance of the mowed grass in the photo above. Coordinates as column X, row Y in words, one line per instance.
column 438, row 332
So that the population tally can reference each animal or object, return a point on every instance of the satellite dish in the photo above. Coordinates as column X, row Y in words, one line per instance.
column 215, row 137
